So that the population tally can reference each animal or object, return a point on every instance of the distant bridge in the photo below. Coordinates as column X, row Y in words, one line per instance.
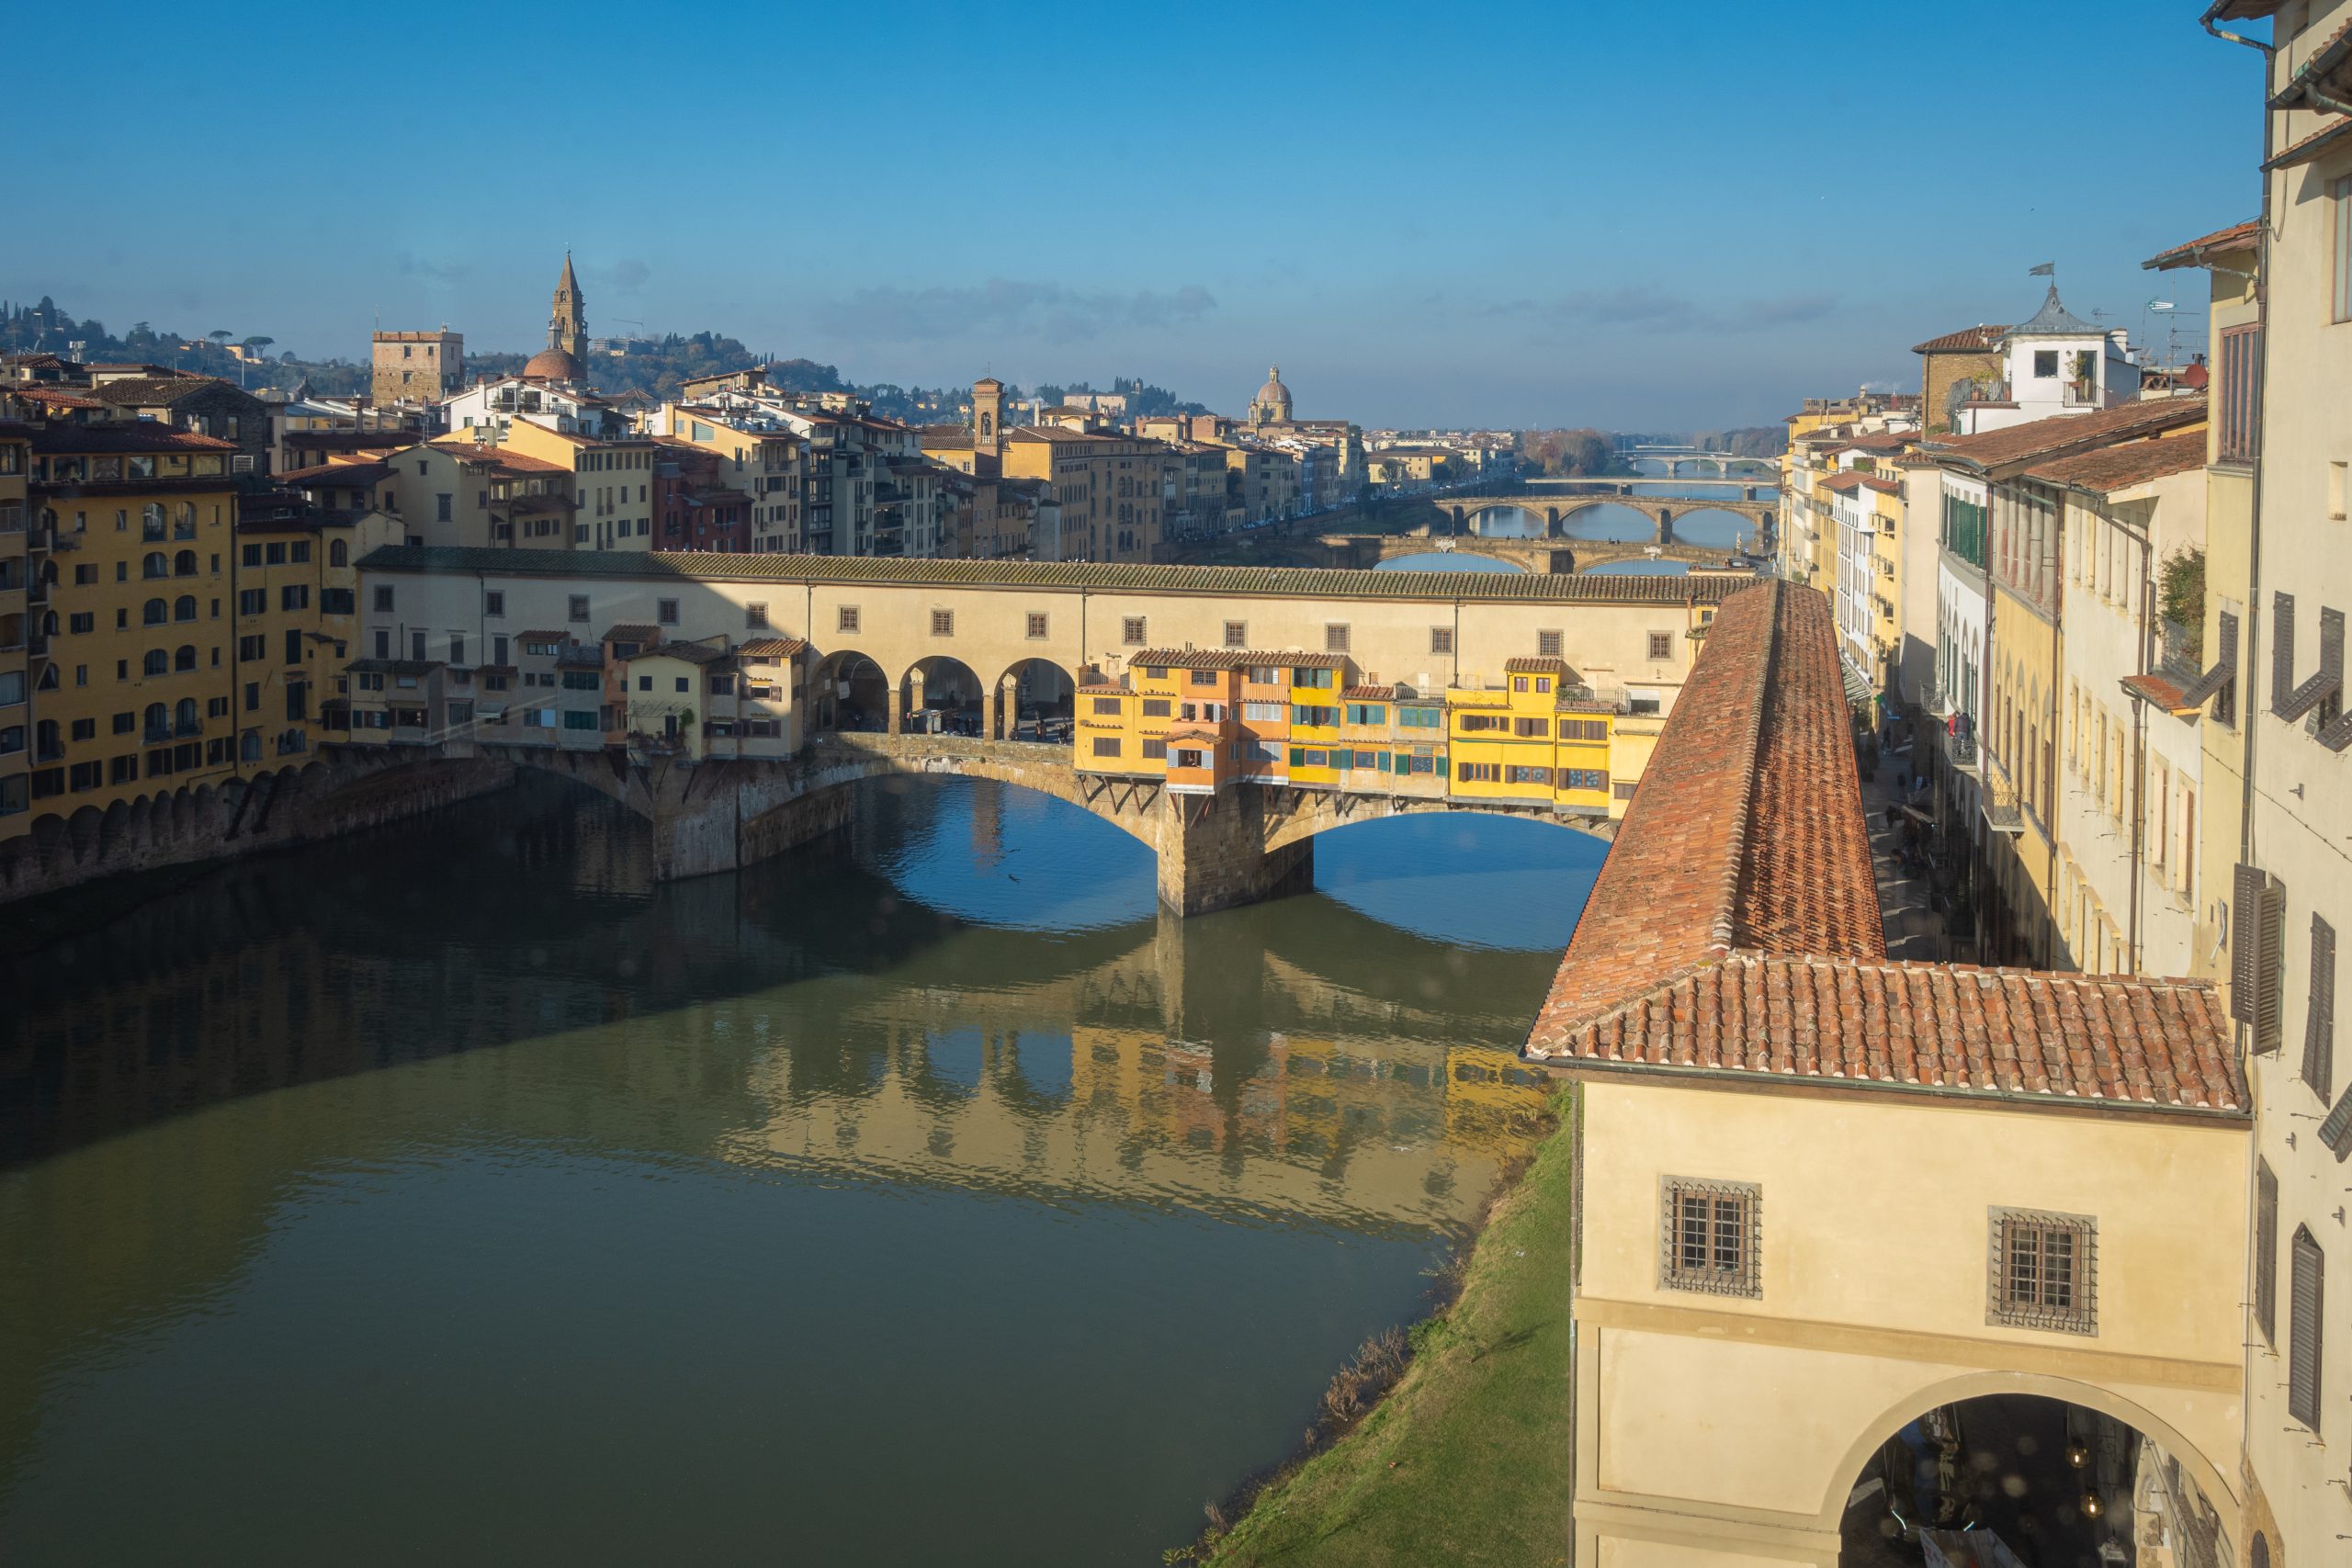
column 1540, row 556
column 1556, row 509
column 1690, row 462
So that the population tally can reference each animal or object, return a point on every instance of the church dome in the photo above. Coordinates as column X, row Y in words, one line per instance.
column 1273, row 392
column 553, row 365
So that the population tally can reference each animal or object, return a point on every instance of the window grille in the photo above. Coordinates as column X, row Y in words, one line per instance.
column 942, row 622
column 1335, row 638
column 845, row 618
column 1132, row 631
column 1037, row 626
column 1661, row 644
column 1711, row 1236
column 1547, row 645
column 2044, row 1271
column 1441, row 640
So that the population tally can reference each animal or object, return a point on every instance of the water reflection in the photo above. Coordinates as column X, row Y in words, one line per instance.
column 459, row 1163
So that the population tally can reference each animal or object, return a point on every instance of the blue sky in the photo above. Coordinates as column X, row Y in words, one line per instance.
column 1565, row 213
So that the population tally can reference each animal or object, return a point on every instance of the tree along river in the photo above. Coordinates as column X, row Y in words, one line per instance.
column 450, row 1193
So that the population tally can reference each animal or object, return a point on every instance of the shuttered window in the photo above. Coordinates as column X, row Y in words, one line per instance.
column 2304, row 1343
column 2336, row 1130
column 2266, row 1251
column 2319, row 1021
column 2258, row 929
column 2261, row 1554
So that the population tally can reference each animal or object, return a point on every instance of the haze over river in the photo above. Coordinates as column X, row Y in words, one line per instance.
column 449, row 1193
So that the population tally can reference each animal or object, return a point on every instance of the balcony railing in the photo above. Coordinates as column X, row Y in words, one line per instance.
column 2004, row 810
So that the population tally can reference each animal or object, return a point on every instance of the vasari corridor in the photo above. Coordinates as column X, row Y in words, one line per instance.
column 1319, row 787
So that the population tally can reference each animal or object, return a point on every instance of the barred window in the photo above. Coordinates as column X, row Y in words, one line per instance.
column 1547, row 645
column 1711, row 1236
column 845, row 618
column 942, row 622
column 1661, row 644
column 1037, row 626
column 1441, row 640
column 1335, row 638
column 1237, row 634
column 2044, row 1271
column 1131, row 630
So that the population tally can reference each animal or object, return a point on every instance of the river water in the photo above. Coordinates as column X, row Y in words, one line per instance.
column 449, row 1193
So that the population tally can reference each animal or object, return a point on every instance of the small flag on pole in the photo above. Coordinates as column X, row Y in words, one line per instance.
column 2047, row 269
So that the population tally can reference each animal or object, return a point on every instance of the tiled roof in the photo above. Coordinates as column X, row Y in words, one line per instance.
column 2005, row 1032
column 1483, row 587
column 2062, row 433
column 773, row 648
column 336, row 473
column 153, row 391
column 1978, row 339
column 2197, row 252
column 1735, row 929
column 632, row 631
column 2311, row 146
column 126, row 435
column 1536, row 666
column 51, row 396
column 2118, row 467
column 691, row 653
column 1234, row 658
column 1369, row 693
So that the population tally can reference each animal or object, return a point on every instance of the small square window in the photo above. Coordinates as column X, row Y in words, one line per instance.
column 1711, row 1235
column 579, row 607
column 666, row 611
column 845, row 619
column 493, row 602
column 1661, row 644
column 755, row 617
column 1547, row 645
column 1441, row 640
column 1132, row 631
column 2044, row 1271
column 1335, row 638
column 1036, row 628
column 1237, row 634
column 2045, row 363
column 942, row 622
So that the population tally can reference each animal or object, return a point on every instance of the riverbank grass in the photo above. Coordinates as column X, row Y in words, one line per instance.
column 1471, row 1459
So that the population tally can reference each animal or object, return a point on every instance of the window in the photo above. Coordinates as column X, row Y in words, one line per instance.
column 1711, row 1236
column 2266, row 1251
column 293, row 645
column 1661, row 644
column 2044, row 1271
column 1107, row 706
column 1153, row 707
column 755, row 617
column 339, row 554
column 576, row 607
column 1547, row 645
column 293, row 596
column 1420, row 717
column 383, row 597
column 1584, row 729
column 582, row 720
column 1442, row 639
column 1520, row 775
column 1478, row 773
column 2308, row 1287
column 2319, row 1023
column 2339, row 215
column 1335, row 638
column 1237, row 634
column 441, row 506
column 1036, row 628
column 942, row 622
column 2045, row 363
column 1131, row 631
column 2239, row 387
column 1106, row 745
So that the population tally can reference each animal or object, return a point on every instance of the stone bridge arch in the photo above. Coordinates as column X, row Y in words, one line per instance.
column 1303, row 814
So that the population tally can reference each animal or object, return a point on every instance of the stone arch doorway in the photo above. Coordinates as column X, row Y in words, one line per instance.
column 850, row 692
column 942, row 694
column 2056, row 1469
column 1035, row 700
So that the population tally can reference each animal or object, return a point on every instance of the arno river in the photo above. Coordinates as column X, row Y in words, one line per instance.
column 451, row 1194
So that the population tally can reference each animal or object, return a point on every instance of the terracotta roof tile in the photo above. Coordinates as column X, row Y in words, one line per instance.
column 1979, row 339
column 2119, row 467
column 2063, row 434
column 773, row 648
column 2195, row 253
column 1736, row 928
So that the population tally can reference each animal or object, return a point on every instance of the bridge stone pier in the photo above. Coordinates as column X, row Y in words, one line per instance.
column 1244, row 845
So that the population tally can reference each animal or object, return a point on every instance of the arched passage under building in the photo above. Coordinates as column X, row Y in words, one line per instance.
column 848, row 692
column 941, row 695
column 1035, row 700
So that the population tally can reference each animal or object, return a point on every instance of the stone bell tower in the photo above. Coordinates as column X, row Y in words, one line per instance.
column 988, row 414
column 568, row 322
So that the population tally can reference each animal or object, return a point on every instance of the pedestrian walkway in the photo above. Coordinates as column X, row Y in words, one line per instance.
column 1912, row 930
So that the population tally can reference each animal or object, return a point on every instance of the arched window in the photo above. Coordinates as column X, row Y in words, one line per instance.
column 155, row 565
column 186, row 658
column 2261, row 1554
column 184, row 607
column 338, row 554
column 250, row 747
column 184, row 716
column 159, row 721
column 184, row 564
column 151, row 520
column 156, row 612
column 186, row 522
column 157, row 662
